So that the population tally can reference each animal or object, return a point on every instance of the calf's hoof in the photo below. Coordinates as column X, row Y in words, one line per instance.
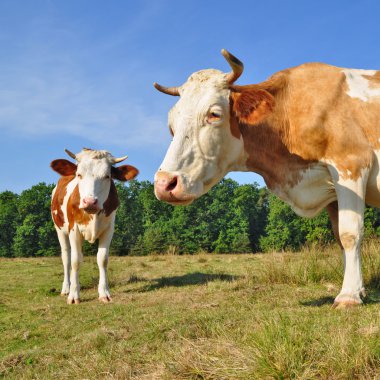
column 105, row 299
column 71, row 301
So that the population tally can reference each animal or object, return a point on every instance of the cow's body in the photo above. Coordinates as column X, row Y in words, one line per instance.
column 83, row 207
column 312, row 132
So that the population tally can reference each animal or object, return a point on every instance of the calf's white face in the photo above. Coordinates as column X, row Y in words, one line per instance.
column 94, row 180
column 203, row 149
column 93, row 176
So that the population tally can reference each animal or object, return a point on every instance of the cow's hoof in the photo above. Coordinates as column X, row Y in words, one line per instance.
column 71, row 301
column 344, row 301
column 106, row 299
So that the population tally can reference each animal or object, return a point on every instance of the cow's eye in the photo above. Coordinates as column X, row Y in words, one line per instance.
column 107, row 177
column 214, row 116
column 79, row 176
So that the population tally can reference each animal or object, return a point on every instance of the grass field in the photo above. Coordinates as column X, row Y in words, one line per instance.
column 191, row 317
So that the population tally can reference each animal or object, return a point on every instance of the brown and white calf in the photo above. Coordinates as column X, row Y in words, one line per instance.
column 83, row 206
column 312, row 132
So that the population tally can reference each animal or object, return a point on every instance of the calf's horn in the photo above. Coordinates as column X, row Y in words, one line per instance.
column 120, row 159
column 72, row 155
column 236, row 65
column 173, row 91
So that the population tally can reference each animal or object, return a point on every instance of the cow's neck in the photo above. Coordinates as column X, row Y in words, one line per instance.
column 267, row 154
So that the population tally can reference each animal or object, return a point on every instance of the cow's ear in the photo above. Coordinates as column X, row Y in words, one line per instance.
column 124, row 172
column 252, row 106
column 63, row 167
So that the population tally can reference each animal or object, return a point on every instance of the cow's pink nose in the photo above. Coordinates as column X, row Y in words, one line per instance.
column 90, row 202
column 164, row 184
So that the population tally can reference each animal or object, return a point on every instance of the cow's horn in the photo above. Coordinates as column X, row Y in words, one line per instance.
column 174, row 91
column 71, row 154
column 236, row 65
column 120, row 159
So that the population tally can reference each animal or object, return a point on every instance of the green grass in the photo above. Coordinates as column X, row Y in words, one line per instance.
column 191, row 317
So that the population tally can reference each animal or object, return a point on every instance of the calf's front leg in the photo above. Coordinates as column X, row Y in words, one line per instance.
column 76, row 260
column 102, row 259
column 65, row 254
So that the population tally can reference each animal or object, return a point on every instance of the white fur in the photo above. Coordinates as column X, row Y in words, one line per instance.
column 201, row 153
column 351, row 200
column 358, row 86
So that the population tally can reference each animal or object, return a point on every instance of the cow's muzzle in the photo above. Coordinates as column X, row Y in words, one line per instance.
column 169, row 188
column 90, row 205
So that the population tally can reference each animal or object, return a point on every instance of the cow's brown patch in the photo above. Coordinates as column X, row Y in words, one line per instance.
column 234, row 125
column 252, row 106
column 374, row 80
column 57, row 200
column 313, row 119
column 124, row 172
column 112, row 202
column 268, row 156
column 74, row 213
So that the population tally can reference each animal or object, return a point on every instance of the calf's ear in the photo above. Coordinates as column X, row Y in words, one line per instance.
column 251, row 106
column 124, row 172
column 63, row 167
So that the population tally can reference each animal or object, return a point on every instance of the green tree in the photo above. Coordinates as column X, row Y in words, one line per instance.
column 8, row 222
column 285, row 230
column 35, row 233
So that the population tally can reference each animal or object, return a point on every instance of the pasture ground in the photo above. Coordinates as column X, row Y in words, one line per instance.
column 191, row 317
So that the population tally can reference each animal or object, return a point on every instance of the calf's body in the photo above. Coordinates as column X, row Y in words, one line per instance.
column 83, row 207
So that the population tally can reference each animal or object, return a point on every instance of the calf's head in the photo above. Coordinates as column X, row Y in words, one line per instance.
column 93, row 174
column 204, row 123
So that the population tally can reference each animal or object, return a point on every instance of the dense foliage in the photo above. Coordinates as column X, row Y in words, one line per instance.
column 230, row 218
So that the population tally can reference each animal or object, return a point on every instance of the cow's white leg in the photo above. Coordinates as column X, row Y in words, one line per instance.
column 65, row 254
column 76, row 259
column 102, row 258
column 350, row 194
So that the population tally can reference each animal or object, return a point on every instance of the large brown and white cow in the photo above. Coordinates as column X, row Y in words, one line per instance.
column 312, row 132
column 83, row 206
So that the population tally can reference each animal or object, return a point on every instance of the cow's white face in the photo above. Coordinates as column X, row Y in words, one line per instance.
column 203, row 149
column 94, row 179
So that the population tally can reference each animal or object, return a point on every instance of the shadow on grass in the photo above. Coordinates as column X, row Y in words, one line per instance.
column 318, row 302
column 196, row 278
column 373, row 297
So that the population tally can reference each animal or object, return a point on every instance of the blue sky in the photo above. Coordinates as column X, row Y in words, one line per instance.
column 78, row 73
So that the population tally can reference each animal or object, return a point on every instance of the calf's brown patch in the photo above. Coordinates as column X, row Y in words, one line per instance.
column 112, row 202
column 57, row 200
column 74, row 213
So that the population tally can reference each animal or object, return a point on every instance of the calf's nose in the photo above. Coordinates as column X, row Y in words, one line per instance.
column 90, row 202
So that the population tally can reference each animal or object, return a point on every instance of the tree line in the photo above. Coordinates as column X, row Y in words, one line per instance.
column 230, row 218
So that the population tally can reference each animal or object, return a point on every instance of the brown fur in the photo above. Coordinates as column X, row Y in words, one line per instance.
column 311, row 118
column 57, row 200
column 74, row 213
column 112, row 202
column 252, row 106
column 63, row 167
column 124, row 172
